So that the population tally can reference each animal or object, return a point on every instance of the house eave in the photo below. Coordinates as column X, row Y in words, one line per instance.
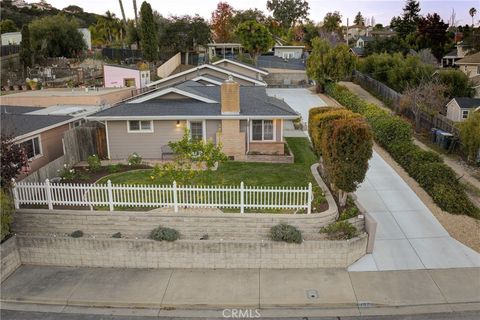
column 210, row 117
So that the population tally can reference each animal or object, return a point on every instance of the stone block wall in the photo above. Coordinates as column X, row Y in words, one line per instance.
column 128, row 253
column 10, row 258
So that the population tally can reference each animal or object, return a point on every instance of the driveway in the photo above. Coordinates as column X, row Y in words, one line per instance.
column 408, row 234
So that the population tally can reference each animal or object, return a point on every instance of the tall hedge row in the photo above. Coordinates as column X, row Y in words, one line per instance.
column 426, row 167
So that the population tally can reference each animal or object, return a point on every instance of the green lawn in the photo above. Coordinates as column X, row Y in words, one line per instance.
column 232, row 172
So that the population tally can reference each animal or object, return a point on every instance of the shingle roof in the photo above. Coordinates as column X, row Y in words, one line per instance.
column 275, row 62
column 473, row 58
column 20, row 124
column 468, row 103
column 452, row 53
column 358, row 51
column 254, row 101
column 17, row 109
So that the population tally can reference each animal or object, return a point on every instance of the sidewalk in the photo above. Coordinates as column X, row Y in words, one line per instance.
column 341, row 292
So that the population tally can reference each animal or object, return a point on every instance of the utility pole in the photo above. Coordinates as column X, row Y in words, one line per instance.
column 347, row 31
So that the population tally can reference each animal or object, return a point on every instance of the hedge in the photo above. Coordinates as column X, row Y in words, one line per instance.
column 427, row 168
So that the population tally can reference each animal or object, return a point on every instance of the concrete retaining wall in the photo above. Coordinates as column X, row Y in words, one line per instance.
column 10, row 258
column 126, row 253
column 191, row 225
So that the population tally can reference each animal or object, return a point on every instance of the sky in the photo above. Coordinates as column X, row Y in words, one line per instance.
column 381, row 10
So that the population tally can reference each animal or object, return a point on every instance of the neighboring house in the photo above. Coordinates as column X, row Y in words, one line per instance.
column 459, row 109
column 355, row 31
column 224, row 50
column 450, row 59
column 207, row 74
column 282, row 72
column 470, row 65
column 63, row 96
column 117, row 76
column 10, row 38
column 383, row 33
column 358, row 52
column 39, row 134
column 288, row 52
column 244, row 119
column 362, row 41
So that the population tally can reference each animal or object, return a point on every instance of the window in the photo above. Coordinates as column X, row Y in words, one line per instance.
column 196, row 130
column 140, row 126
column 32, row 147
column 129, row 82
column 288, row 55
column 262, row 130
column 464, row 114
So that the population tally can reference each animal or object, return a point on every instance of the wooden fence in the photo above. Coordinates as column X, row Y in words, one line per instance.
column 82, row 142
column 115, row 195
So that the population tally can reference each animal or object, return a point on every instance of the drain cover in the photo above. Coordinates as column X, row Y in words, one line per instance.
column 312, row 294
column 364, row 304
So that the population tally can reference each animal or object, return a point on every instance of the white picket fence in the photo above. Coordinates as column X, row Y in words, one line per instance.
column 120, row 195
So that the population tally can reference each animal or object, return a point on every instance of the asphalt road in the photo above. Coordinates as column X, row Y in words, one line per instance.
column 25, row 315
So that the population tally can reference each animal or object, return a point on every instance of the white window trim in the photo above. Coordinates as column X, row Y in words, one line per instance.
column 204, row 128
column 140, row 127
column 39, row 144
column 274, row 123
column 465, row 113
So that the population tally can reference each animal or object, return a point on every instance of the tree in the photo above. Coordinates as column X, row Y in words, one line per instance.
column 56, row 36
column 133, row 36
column 332, row 20
column 457, row 83
column 148, row 36
column 184, row 33
column 222, row 22
column 13, row 158
column 254, row 37
column 427, row 57
column 7, row 25
column 6, row 214
column 326, row 64
column 359, row 19
column 427, row 98
column 470, row 136
column 407, row 23
column 247, row 15
column 26, row 55
column 73, row 9
column 288, row 12
column 432, row 34
column 472, row 13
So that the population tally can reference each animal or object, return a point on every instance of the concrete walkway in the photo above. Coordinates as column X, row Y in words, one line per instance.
column 159, row 290
column 408, row 235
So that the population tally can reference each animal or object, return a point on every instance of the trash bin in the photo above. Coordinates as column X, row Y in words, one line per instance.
column 439, row 137
column 446, row 140
column 433, row 134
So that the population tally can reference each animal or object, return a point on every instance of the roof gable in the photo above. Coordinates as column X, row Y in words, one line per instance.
column 242, row 65
column 163, row 92
column 470, row 59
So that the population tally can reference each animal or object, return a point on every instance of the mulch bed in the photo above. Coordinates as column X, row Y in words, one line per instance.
column 84, row 175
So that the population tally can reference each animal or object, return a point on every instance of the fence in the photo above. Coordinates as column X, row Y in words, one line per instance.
column 238, row 197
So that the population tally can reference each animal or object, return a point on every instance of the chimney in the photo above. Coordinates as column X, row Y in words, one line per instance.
column 230, row 94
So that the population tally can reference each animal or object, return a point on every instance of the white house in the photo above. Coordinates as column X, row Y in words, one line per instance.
column 459, row 109
column 11, row 38
column 288, row 52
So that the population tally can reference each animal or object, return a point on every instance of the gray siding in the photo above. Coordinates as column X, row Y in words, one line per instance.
column 146, row 144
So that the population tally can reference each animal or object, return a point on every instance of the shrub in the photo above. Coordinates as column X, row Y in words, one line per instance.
column 340, row 230
column 134, row 159
column 76, row 234
column 117, row 235
column 94, row 162
column 348, row 213
column 286, row 233
column 6, row 213
column 164, row 234
column 114, row 168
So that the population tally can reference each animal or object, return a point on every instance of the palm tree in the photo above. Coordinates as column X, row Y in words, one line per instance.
column 472, row 12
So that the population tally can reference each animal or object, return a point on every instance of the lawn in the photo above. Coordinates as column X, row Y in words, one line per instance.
column 233, row 172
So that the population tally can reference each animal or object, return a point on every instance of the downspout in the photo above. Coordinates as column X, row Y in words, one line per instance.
column 248, row 135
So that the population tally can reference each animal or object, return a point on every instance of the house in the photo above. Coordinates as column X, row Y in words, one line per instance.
column 40, row 133
column 244, row 119
column 449, row 60
column 358, row 52
column 288, row 52
column 470, row 65
column 209, row 74
column 362, row 41
column 241, row 68
column 381, row 34
column 459, row 109
column 355, row 31
column 224, row 50
column 63, row 96
column 10, row 38
column 282, row 72
column 117, row 76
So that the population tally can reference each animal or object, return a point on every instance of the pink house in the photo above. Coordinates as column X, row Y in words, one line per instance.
column 116, row 76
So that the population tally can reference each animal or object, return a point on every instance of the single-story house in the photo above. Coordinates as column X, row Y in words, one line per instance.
column 208, row 73
column 458, row 109
column 288, row 52
column 224, row 50
column 117, row 76
column 470, row 65
column 244, row 119
column 38, row 133
column 449, row 60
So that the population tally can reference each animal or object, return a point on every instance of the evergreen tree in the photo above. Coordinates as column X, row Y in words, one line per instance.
column 359, row 19
column 407, row 23
column 148, row 31
column 26, row 54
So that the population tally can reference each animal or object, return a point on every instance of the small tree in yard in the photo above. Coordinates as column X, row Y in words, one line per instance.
column 13, row 158
column 188, row 152
column 470, row 136
column 254, row 37
column 428, row 97
column 347, row 147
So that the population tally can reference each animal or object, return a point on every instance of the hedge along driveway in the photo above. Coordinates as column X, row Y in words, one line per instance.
column 427, row 168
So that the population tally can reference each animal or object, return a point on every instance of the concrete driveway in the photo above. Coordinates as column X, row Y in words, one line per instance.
column 408, row 234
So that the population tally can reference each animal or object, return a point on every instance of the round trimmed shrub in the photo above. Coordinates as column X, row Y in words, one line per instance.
column 285, row 232
column 76, row 234
column 164, row 234
column 340, row 230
